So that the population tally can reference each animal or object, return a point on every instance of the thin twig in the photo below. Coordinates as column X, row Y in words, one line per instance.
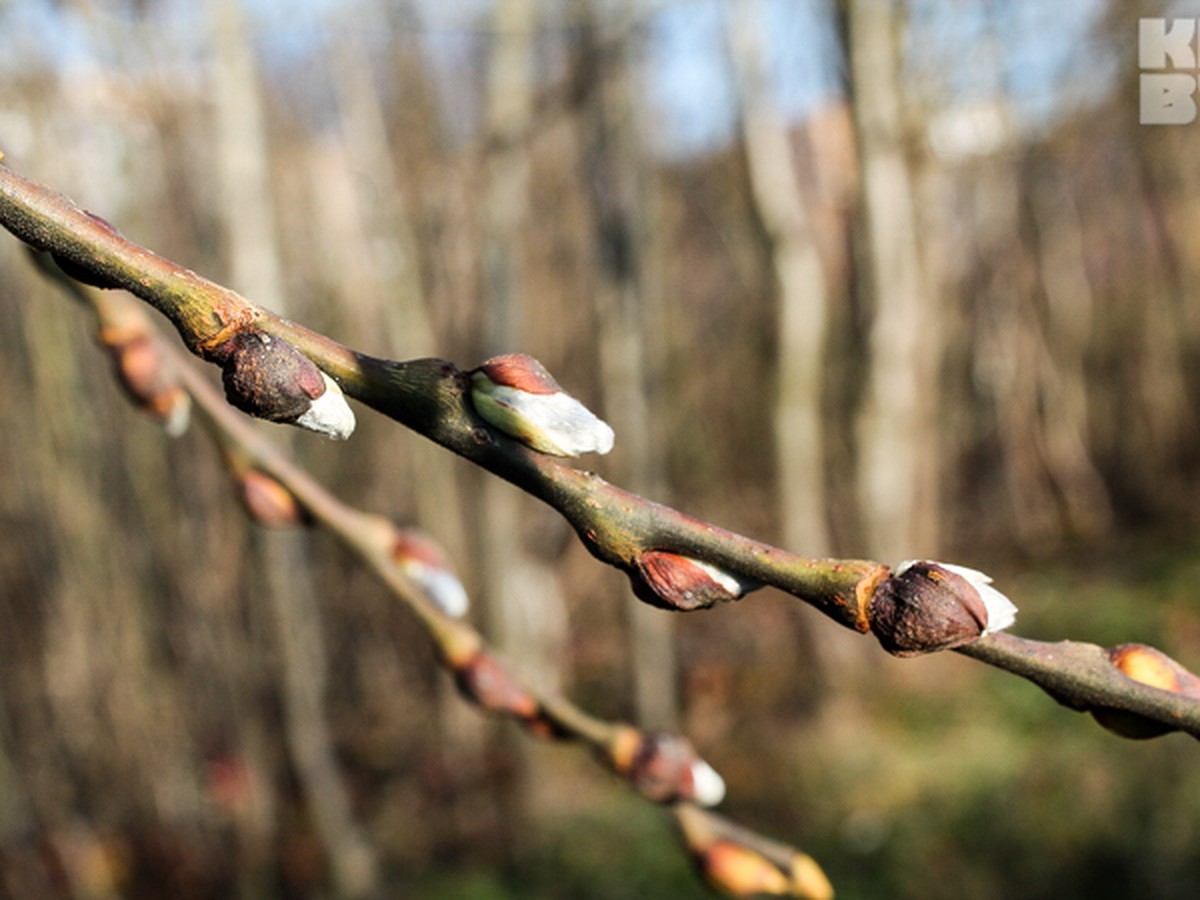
column 662, row 766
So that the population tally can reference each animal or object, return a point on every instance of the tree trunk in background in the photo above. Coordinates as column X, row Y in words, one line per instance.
column 898, row 437
column 803, row 299
column 1028, row 356
column 1167, row 413
column 524, row 610
column 629, row 334
column 1006, row 355
column 396, row 295
column 377, row 268
column 1070, row 307
column 252, row 252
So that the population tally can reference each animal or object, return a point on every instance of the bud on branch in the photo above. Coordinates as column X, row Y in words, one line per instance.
column 671, row 581
column 488, row 683
column 424, row 561
column 739, row 863
column 268, row 501
column 147, row 376
column 1152, row 667
column 926, row 606
column 267, row 377
column 516, row 394
column 664, row 767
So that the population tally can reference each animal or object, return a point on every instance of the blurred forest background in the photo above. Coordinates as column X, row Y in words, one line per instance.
column 875, row 279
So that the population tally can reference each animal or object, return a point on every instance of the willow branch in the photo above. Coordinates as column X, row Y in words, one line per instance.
column 620, row 528
column 428, row 395
column 661, row 766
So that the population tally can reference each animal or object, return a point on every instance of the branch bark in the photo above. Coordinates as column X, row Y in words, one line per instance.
column 616, row 526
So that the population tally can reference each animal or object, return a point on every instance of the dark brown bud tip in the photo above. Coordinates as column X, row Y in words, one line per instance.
column 924, row 607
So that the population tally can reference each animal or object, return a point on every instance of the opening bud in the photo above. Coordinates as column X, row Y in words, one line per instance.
column 665, row 768
column 676, row 582
column 147, row 377
column 517, row 395
column 269, row 378
column 926, row 606
column 424, row 561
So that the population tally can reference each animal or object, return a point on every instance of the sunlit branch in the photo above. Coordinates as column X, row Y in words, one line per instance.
column 663, row 767
column 657, row 546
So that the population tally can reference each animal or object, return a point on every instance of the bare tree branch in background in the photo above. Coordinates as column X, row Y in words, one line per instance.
column 250, row 234
column 803, row 300
column 898, row 452
column 632, row 322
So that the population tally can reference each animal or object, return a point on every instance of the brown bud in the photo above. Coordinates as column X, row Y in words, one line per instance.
column 268, row 377
column 1149, row 666
column 147, row 376
column 676, row 582
column 926, row 606
column 740, row 872
column 739, row 863
column 269, row 502
column 665, row 768
column 486, row 681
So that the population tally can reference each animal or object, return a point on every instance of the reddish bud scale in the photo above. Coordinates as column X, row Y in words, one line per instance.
column 1149, row 666
column 675, row 582
column 521, row 372
column 139, row 366
column 740, row 872
column 143, row 372
column 488, row 683
column 270, row 503
column 413, row 545
column 660, row 766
